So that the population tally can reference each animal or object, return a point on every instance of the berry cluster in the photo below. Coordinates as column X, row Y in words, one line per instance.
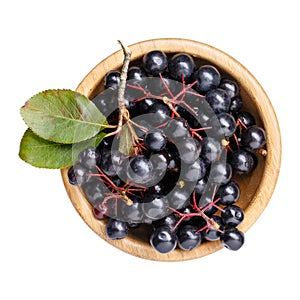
column 185, row 136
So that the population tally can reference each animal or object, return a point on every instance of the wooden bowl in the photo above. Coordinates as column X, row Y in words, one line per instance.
column 256, row 188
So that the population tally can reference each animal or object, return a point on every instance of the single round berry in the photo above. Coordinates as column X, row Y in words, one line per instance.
column 188, row 237
column 220, row 172
column 207, row 77
column 211, row 149
column 177, row 129
column 213, row 232
column 136, row 74
column 246, row 118
column 169, row 221
column 227, row 124
column 205, row 202
column 189, row 150
column 155, row 140
column 228, row 193
column 253, row 138
column 89, row 157
column 112, row 79
column 243, row 162
column 163, row 240
column 218, row 100
column 236, row 104
column 155, row 62
column 232, row 239
column 101, row 211
column 133, row 213
column 181, row 66
column 193, row 172
column 200, row 186
column 160, row 165
column 77, row 174
column 116, row 229
column 232, row 215
column 106, row 163
column 155, row 206
column 230, row 87
column 162, row 112
column 178, row 198
column 139, row 169
column 94, row 191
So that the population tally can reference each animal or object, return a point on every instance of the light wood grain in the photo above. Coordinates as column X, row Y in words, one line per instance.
column 256, row 188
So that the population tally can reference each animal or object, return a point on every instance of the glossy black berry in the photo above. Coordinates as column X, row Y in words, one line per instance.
column 139, row 169
column 211, row 149
column 77, row 174
column 232, row 239
column 213, row 232
column 135, row 75
column 177, row 129
column 232, row 215
column 181, row 66
column 218, row 100
column 106, row 162
column 220, row 172
column 155, row 62
column 133, row 213
column 116, row 229
column 227, row 124
column 189, row 150
column 193, row 172
column 200, row 186
column 94, row 191
column 236, row 104
column 155, row 140
column 169, row 221
column 246, row 118
column 112, row 79
column 228, row 193
column 160, row 165
column 155, row 206
column 205, row 202
column 207, row 77
column 179, row 197
column 253, row 138
column 89, row 157
column 230, row 87
column 101, row 211
column 162, row 112
column 243, row 162
column 188, row 237
column 163, row 240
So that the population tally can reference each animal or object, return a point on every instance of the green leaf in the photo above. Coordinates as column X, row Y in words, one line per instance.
column 62, row 116
column 126, row 142
column 45, row 154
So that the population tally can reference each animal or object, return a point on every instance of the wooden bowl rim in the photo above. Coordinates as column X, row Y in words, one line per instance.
column 258, row 96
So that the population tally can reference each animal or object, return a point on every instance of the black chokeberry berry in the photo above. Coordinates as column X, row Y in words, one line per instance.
column 116, row 229
column 219, row 100
column 232, row 238
column 232, row 216
column 155, row 62
column 188, row 237
column 181, row 66
column 253, row 138
column 242, row 161
column 112, row 79
column 163, row 239
column 207, row 77
column 155, row 140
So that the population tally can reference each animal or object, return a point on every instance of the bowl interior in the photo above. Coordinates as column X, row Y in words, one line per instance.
column 256, row 188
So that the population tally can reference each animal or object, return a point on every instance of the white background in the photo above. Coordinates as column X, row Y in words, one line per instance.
column 46, row 251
